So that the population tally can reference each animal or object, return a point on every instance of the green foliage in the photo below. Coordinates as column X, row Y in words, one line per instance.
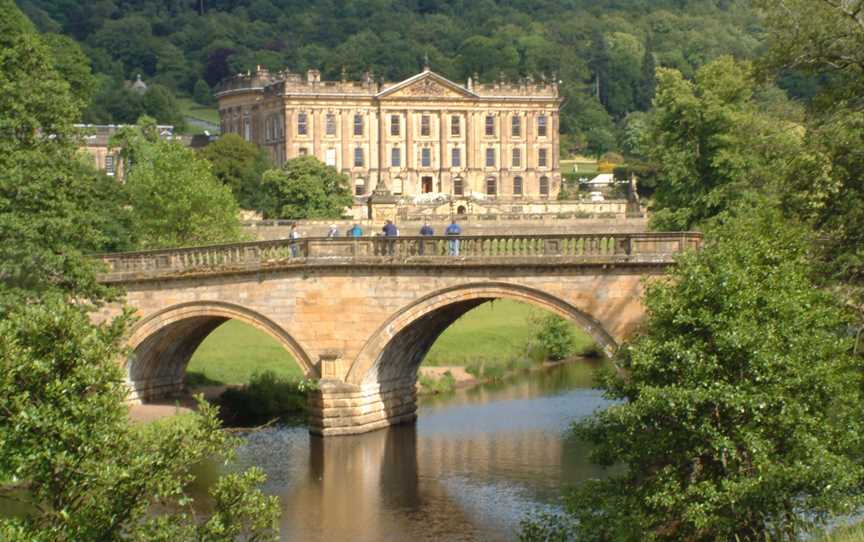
column 87, row 474
column 712, row 145
column 740, row 414
column 267, row 396
column 824, row 38
column 579, row 42
column 50, row 210
column 444, row 384
column 115, row 103
column 826, row 185
column 240, row 165
column 175, row 199
column 201, row 93
column 555, row 336
column 304, row 188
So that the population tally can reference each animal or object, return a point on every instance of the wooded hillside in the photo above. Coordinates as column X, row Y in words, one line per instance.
column 603, row 51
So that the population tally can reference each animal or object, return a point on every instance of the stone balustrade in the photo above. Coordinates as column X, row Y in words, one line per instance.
column 433, row 250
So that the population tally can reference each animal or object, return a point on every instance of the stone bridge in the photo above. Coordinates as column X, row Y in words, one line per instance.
column 360, row 314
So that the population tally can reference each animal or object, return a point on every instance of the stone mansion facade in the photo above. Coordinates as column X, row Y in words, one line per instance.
column 423, row 135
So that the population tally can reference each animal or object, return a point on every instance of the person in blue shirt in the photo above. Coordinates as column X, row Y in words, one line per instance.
column 453, row 231
column 355, row 231
column 425, row 231
column 390, row 230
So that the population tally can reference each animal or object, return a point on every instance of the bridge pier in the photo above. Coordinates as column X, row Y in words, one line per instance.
column 337, row 408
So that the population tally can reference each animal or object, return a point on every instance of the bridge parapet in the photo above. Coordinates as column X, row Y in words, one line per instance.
column 654, row 248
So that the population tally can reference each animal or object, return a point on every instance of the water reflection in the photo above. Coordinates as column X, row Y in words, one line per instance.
column 474, row 464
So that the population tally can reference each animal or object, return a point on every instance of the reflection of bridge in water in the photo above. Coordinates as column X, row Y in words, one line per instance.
column 361, row 314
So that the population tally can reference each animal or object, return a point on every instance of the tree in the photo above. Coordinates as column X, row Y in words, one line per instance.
column 712, row 144
column 201, row 93
column 647, row 84
column 305, row 188
column 818, row 37
column 49, row 213
column 72, row 65
column 739, row 402
column 89, row 475
column 175, row 199
column 240, row 165
column 825, row 185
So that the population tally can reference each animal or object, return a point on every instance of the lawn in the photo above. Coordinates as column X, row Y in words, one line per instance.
column 190, row 108
column 493, row 333
column 236, row 350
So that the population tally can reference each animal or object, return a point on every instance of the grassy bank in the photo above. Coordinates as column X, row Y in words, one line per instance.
column 853, row 533
column 234, row 351
column 494, row 335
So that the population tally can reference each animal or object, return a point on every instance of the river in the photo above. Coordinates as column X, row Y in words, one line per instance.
column 475, row 463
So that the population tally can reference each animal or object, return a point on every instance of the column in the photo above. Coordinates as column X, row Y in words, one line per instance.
column 346, row 141
column 316, row 134
column 443, row 152
column 410, row 160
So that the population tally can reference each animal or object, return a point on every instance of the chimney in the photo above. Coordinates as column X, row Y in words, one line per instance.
column 313, row 76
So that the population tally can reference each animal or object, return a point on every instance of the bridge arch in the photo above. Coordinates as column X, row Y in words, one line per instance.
column 394, row 352
column 162, row 344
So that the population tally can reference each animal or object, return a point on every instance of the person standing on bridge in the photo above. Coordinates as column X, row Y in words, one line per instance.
column 294, row 236
column 390, row 230
column 355, row 231
column 453, row 231
column 425, row 231
column 333, row 232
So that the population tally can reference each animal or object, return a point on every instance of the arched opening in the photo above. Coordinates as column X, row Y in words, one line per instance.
column 163, row 345
column 393, row 356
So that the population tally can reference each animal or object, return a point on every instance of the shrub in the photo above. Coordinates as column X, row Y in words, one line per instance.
column 556, row 337
column 493, row 372
column 267, row 396
column 445, row 384
column 593, row 350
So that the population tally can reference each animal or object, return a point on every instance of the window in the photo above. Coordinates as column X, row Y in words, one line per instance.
column 280, row 133
column 358, row 125
column 490, row 157
column 302, row 124
column 517, row 158
column 397, row 185
column 395, row 157
column 109, row 165
column 302, row 151
column 516, row 127
column 247, row 128
column 541, row 158
column 490, row 125
column 359, row 187
column 455, row 126
column 517, row 186
column 544, row 186
column 491, row 186
column 425, row 157
column 330, row 124
column 425, row 129
column 358, row 157
column 456, row 157
column 458, row 188
column 394, row 125
column 541, row 126
column 330, row 157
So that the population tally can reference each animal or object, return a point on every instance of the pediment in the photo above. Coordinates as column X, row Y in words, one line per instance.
column 427, row 84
